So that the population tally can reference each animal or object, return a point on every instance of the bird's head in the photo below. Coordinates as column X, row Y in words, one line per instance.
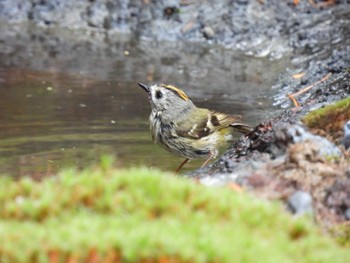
column 167, row 99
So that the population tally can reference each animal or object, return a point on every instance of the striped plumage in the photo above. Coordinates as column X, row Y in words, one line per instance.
column 186, row 130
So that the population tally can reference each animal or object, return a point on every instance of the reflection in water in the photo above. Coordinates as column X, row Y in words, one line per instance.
column 69, row 108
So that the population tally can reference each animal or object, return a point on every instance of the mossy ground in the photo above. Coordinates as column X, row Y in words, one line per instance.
column 329, row 121
column 140, row 215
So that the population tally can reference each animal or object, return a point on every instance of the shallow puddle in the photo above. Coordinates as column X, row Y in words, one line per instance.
column 69, row 107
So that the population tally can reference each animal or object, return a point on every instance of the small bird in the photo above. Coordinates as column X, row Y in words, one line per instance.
column 186, row 130
column 346, row 138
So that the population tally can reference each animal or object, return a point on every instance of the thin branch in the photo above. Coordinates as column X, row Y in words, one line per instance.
column 293, row 95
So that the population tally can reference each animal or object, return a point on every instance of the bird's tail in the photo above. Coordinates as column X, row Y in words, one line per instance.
column 241, row 127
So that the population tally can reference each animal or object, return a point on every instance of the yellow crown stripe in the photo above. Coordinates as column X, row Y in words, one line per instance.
column 177, row 90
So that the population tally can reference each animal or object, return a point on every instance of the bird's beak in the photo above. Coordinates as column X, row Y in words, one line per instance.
column 144, row 86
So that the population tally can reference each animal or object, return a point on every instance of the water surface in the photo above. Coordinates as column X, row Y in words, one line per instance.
column 69, row 107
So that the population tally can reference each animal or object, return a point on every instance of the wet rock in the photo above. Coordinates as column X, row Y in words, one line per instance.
column 15, row 10
column 98, row 15
column 235, row 171
column 63, row 13
column 263, row 28
column 347, row 214
column 346, row 138
column 300, row 203
column 293, row 134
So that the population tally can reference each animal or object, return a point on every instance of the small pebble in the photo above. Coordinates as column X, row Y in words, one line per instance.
column 208, row 32
column 347, row 214
column 300, row 203
column 346, row 139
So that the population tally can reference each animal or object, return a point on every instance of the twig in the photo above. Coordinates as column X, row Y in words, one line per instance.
column 296, row 103
column 298, row 75
column 293, row 95
column 323, row 4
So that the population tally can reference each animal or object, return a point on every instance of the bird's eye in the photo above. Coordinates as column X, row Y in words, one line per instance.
column 159, row 95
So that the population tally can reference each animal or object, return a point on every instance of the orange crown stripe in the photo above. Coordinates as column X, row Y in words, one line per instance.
column 177, row 90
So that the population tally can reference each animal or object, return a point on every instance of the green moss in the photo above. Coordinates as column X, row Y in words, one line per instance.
column 140, row 214
column 330, row 116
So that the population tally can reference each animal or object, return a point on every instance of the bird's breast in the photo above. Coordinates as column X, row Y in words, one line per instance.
column 161, row 131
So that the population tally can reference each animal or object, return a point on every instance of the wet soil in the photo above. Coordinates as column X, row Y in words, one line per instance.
column 280, row 158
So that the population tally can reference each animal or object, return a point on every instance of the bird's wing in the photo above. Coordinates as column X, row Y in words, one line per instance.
column 207, row 122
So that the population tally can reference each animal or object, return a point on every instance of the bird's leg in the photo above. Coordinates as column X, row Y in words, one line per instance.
column 212, row 155
column 181, row 165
